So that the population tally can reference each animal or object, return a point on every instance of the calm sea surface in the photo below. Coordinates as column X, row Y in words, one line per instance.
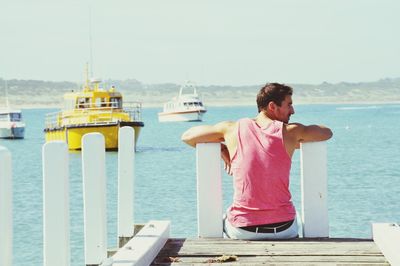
column 363, row 173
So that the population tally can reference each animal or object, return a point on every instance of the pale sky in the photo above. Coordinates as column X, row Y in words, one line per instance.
column 221, row 42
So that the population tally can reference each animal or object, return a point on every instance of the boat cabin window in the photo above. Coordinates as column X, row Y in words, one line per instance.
column 83, row 102
column 100, row 102
column 116, row 102
column 15, row 117
column 196, row 104
column 3, row 117
column 188, row 105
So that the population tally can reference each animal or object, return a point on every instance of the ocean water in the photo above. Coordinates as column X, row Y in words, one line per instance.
column 363, row 175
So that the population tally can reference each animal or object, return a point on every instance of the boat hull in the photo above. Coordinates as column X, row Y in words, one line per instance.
column 188, row 116
column 72, row 134
column 12, row 132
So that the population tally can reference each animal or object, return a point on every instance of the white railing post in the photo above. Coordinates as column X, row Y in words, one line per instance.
column 94, row 198
column 6, row 218
column 313, row 159
column 144, row 247
column 209, row 190
column 126, row 159
column 56, row 244
column 387, row 237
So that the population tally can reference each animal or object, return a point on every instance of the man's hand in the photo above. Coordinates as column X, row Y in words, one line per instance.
column 222, row 132
column 226, row 158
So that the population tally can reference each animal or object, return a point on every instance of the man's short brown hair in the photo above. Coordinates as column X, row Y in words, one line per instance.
column 272, row 92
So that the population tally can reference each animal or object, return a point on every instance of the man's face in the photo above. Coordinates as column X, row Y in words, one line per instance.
column 284, row 111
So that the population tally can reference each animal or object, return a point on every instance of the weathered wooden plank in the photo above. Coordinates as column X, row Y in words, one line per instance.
column 352, row 246
column 271, row 253
column 309, row 252
column 308, row 263
column 261, row 248
column 250, row 254
column 294, row 240
column 276, row 259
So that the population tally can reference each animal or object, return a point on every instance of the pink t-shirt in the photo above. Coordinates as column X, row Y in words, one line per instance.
column 261, row 169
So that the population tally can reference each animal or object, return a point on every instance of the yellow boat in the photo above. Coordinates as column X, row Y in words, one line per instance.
column 93, row 110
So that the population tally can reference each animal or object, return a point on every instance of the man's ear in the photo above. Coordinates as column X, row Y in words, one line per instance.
column 271, row 106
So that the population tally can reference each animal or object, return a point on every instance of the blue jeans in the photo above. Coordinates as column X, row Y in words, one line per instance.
column 238, row 233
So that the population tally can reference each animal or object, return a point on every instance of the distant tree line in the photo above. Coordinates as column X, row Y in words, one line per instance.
column 40, row 91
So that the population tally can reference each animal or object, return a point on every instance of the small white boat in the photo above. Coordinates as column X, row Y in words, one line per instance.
column 183, row 108
column 11, row 124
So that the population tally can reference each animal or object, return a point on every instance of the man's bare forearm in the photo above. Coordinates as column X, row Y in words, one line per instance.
column 201, row 134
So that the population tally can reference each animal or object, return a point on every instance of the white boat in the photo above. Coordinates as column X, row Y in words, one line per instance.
column 183, row 108
column 11, row 124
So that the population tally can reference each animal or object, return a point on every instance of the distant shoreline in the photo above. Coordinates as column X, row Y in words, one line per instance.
column 36, row 94
column 146, row 105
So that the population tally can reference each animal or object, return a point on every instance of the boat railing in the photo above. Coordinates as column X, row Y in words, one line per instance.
column 184, row 106
column 134, row 109
column 51, row 119
column 98, row 114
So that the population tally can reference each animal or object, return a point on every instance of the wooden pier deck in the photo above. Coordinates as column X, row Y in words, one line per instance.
column 321, row 251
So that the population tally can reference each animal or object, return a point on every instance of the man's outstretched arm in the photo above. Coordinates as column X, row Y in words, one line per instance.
column 204, row 134
column 311, row 133
column 316, row 133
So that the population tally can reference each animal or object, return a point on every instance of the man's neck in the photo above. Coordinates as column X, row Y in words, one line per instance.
column 263, row 119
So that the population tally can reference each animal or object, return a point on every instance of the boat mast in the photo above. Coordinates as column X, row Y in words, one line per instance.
column 87, row 85
column 90, row 42
column 6, row 91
